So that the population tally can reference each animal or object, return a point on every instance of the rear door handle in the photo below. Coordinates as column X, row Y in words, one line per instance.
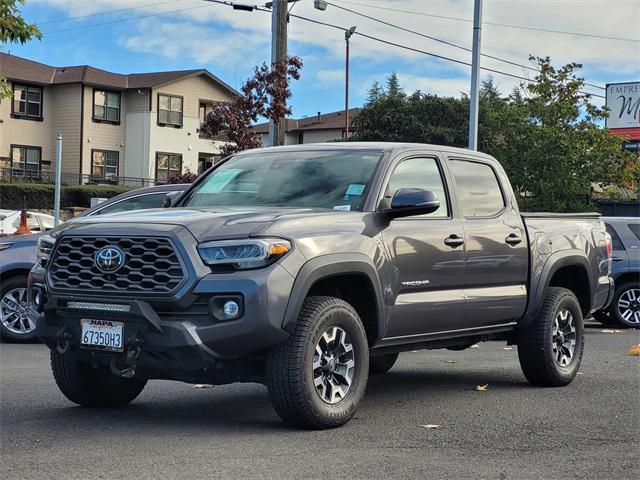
column 453, row 240
column 513, row 239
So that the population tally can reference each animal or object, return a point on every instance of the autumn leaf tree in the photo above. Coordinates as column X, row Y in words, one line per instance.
column 264, row 95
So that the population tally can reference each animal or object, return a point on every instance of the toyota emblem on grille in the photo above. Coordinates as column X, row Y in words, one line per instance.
column 109, row 259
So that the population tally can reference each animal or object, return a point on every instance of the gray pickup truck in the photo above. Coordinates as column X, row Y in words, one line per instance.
column 308, row 267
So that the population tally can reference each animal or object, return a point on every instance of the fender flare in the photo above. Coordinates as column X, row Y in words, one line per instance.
column 13, row 267
column 327, row 266
column 556, row 261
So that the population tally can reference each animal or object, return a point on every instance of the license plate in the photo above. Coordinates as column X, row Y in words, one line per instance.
column 102, row 334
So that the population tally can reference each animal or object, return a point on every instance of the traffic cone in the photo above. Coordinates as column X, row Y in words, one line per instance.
column 23, row 229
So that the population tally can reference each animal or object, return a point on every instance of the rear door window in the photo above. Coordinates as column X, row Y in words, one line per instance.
column 635, row 229
column 477, row 189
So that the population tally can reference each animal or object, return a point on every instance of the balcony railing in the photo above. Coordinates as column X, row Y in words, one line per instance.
column 15, row 175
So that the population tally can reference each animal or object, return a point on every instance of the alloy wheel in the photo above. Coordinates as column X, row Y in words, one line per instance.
column 629, row 305
column 563, row 338
column 333, row 365
column 13, row 312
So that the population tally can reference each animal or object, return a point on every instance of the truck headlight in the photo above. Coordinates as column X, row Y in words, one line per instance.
column 45, row 246
column 243, row 254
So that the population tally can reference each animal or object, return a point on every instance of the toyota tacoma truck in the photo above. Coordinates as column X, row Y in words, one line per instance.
column 306, row 268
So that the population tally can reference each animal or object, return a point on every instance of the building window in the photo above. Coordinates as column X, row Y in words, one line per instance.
column 106, row 106
column 104, row 165
column 27, row 102
column 26, row 158
column 169, row 110
column 168, row 165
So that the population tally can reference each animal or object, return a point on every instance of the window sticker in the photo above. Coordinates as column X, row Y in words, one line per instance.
column 355, row 189
column 342, row 208
column 219, row 181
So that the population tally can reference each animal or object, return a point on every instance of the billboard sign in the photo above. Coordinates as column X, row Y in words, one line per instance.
column 623, row 100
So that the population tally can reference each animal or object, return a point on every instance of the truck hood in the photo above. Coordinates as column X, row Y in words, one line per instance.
column 212, row 223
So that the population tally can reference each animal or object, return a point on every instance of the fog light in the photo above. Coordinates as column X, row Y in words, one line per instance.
column 230, row 309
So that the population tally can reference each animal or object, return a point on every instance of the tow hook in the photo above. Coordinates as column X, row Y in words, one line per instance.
column 133, row 353
column 63, row 341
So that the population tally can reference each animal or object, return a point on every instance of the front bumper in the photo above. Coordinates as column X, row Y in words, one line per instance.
column 178, row 334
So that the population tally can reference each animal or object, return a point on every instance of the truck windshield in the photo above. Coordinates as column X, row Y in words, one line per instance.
column 332, row 179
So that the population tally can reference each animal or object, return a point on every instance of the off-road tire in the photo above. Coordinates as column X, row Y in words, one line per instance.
column 289, row 366
column 85, row 385
column 19, row 281
column 535, row 341
column 614, row 314
column 382, row 363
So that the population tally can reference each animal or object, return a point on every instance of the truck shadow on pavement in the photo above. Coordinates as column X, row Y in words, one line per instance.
column 246, row 408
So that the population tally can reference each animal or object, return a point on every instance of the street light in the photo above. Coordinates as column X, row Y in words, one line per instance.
column 347, row 36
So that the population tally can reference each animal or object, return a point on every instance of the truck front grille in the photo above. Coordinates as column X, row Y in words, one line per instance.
column 151, row 265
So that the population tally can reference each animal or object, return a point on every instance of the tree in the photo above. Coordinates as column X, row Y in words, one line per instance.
column 546, row 134
column 548, row 138
column 265, row 94
column 14, row 29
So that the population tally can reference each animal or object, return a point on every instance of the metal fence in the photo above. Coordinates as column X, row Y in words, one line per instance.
column 15, row 175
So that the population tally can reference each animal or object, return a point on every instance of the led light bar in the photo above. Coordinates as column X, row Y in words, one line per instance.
column 99, row 307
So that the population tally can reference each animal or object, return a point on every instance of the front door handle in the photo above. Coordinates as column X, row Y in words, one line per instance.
column 453, row 240
column 513, row 239
column 617, row 259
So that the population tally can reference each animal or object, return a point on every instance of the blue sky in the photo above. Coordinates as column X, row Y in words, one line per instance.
column 157, row 35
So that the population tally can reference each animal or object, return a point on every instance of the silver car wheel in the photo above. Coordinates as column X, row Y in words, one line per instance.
column 13, row 312
column 333, row 365
column 563, row 338
column 629, row 305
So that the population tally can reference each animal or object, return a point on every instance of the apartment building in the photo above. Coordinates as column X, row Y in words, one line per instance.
column 327, row 127
column 139, row 128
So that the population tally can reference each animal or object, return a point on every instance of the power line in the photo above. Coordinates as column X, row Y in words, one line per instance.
column 505, row 25
column 106, row 12
column 461, row 47
column 424, row 52
column 79, row 27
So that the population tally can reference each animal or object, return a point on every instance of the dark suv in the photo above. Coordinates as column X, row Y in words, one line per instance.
column 625, row 307
column 306, row 267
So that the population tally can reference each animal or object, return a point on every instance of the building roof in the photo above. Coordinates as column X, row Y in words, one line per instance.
column 22, row 69
column 327, row 121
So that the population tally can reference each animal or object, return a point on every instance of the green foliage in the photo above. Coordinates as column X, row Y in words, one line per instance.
column 546, row 134
column 15, row 196
column 14, row 29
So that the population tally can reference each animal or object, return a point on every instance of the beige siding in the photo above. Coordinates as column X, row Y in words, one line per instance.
column 193, row 89
column 65, row 115
column 16, row 131
column 102, row 136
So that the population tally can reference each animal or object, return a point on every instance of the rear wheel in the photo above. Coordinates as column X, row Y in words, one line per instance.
column 382, row 363
column 625, row 307
column 550, row 347
column 317, row 378
column 15, row 324
column 85, row 385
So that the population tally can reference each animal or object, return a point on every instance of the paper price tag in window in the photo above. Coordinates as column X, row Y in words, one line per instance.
column 342, row 208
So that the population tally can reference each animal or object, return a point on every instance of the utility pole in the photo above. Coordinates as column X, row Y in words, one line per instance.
column 347, row 36
column 278, row 54
column 56, row 200
column 475, row 75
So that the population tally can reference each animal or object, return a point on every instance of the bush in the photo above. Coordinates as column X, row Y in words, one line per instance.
column 16, row 196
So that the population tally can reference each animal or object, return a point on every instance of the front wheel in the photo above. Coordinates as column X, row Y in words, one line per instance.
column 550, row 347
column 85, row 385
column 317, row 378
column 15, row 323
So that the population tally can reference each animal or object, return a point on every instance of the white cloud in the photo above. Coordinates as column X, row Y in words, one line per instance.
column 217, row 34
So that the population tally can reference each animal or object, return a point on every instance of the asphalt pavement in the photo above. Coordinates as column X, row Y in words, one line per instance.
column 590, row 429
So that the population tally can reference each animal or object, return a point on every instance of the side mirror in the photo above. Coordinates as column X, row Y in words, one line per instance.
column 171, row 199
column 413, row 201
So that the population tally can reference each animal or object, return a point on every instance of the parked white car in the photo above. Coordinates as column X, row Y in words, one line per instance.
column 37, row 222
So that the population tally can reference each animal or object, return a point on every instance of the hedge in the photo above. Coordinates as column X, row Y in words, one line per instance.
column 15, row 196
